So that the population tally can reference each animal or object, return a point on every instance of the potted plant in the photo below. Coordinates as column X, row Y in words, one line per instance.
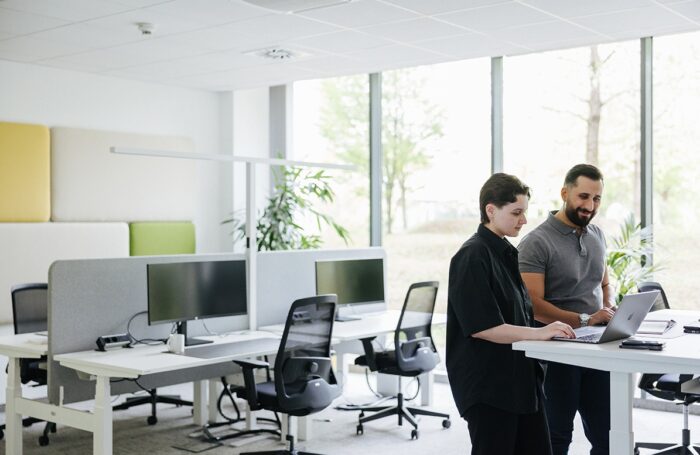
column 296, row 190
column 629, row 257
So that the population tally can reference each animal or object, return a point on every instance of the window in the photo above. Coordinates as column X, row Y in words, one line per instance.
column 331, row 125
column 572, row 106
column 676, row 168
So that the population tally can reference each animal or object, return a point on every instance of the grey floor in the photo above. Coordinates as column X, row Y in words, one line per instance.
column 334, row 431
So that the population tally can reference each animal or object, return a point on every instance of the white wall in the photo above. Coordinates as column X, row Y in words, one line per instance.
column 55, row 97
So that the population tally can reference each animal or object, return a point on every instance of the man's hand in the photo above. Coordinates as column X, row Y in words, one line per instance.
column 601, row 316
column 556, row 329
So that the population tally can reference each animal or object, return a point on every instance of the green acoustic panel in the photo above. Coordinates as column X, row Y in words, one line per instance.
column 151, row 239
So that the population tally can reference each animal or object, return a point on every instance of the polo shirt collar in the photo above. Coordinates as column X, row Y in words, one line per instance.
column 501, row 246
column 563, row 228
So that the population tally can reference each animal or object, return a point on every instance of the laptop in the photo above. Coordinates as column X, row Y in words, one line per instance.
column 624, row 323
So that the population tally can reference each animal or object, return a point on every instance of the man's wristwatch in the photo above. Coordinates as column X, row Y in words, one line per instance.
column 583, row 318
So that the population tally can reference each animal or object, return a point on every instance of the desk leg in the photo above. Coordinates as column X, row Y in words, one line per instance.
column 621, row 401
column 13, row 421
column 426, row 394
column 199, row 402
column 102, row 434
column 305, row 428
column 215, row 388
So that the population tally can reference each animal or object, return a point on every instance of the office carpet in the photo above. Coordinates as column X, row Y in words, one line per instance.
column 334, row 432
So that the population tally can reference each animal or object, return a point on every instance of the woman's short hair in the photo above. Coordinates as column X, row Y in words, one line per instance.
column 500, row 189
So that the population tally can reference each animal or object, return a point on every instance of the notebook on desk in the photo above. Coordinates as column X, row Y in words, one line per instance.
column 624, row 323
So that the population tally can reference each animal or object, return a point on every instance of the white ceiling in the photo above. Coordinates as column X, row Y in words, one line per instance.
column 204, row 43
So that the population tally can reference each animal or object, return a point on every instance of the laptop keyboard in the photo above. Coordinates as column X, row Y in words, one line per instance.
column 592, row 338
column 233, row 349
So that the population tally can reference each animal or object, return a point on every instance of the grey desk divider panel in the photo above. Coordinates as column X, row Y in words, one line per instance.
column 284, row 276
column 93, row 297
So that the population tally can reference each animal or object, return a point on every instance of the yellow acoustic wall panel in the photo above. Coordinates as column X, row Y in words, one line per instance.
column 25, row 173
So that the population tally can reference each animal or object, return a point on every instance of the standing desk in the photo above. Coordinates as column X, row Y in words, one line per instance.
column 101, row 367
column 681, row 355
column 346, row 336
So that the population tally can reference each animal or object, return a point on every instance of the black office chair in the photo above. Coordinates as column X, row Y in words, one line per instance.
column 668, row 387
column 30, row 314
column 304, row 382
column 414, row 354
column 152, row 399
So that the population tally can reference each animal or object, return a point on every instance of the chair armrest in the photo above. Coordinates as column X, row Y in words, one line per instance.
column 250, row 387
column 369, row 353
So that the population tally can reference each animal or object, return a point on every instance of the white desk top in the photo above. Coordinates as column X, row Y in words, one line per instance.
column 371, row 325
column 680, row 355
column 26, row 345
column 142, row 359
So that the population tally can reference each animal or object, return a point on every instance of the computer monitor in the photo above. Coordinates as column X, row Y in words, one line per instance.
column 354, row 281
column 183, row 291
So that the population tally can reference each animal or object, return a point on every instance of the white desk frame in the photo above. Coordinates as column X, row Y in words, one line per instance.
column 681, row 355
column 101, row 367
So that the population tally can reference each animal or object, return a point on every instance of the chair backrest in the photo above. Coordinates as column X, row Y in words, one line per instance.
column 30, row 307
column 660, row 304
column 304, row 378
column 413, row 340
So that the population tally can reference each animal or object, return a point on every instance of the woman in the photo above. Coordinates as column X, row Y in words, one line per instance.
column 497, row 390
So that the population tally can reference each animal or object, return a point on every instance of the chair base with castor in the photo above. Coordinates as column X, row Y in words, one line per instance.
column 684, row 448
column 153, row 398
column 50, row 427
column 402, row 411
column 291, row 451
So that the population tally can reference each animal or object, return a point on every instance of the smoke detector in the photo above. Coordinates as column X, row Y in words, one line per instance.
column 295, row 6
column 146, row 28
column 277, row 53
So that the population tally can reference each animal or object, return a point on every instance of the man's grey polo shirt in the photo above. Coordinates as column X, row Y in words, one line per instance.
column 573, row 266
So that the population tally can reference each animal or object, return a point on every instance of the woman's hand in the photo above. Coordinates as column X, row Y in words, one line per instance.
column 556, row 329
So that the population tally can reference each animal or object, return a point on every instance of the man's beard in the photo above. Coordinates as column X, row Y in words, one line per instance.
column 572, row 215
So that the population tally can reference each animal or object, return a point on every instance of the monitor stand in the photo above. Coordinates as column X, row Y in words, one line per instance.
column 182, row 329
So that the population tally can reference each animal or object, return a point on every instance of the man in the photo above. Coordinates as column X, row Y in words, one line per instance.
column 562, row 263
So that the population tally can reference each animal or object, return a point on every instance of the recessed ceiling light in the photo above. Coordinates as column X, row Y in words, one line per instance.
column 277, row 53
column 295, row 6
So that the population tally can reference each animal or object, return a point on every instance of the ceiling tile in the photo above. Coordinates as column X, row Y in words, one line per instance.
column 344, row 41
column 395, row 54
column 641, row 21
column 19, row 23
column 210, row 12
column 360, row 13
column 495, row 17
column 468, row 45
column 442, row 6
column 282, row 27
column 548, row 32
column 330, row 64
column 69, row 10
column 89, row 36
column 568, row 9
column 165, row 24
column 29, row 49
column 222, row 38
column 414, row 30
column 691, row 9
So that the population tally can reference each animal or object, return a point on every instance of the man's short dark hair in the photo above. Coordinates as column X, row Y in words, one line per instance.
column 585, row 170
column 500, row 189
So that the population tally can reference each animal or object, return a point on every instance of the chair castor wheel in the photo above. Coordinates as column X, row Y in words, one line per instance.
column 152, row 420
column 446, row 423
column 360, row 430
column 2, row 434
column 414, row 434
column 362, row 414
column 43, row 440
